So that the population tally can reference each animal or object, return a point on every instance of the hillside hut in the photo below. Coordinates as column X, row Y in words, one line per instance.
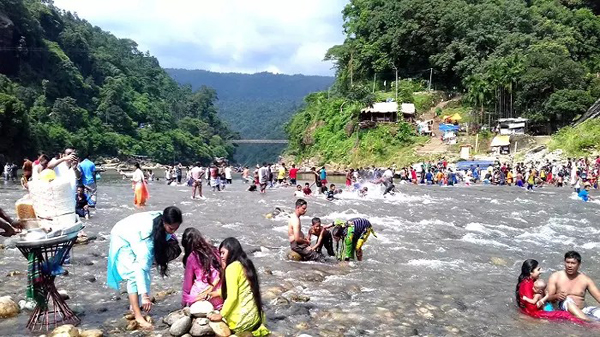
column 383, row 112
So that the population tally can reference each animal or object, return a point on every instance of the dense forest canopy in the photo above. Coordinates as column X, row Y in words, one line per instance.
column 64, row 82
column 257, row 106
column 539, row 58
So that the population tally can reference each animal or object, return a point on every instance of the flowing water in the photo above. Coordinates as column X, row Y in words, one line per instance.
column 445, row 261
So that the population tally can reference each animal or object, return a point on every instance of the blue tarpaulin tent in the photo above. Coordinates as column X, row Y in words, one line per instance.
column 465, row 165
column 448, row 127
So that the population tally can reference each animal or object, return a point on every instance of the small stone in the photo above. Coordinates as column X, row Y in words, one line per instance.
column 63, row 294
column 200, row 327
column 201, row 308
column 268, row 271
column 425, row 313
column 299, row 298
column 291, row 255
column 282, row 301
column 91, row 279
column 148, row 319
column 181, row 326
column 65, row 331
column 8, row 307
column 132, row 325
column 14, row 273
column 91, row 333
column 302, row 326
column 1, row 246
column 220, row 328
column 26, row 305
column 496, row 261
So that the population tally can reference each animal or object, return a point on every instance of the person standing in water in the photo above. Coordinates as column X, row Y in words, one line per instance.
column 355, row 233
column 242, row 307
column 298, row 243
column 196, row 173
column 137, row 242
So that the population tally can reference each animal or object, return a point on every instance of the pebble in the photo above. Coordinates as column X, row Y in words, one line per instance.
column 220, row 328
column 299, row 298
column 63, row 294
column 302, row 326
column 161, row 295
column 201, row 308
column 200, row 327
column 425, row 313
column 65, row 331
column 91, row 279
column 8, row 307
column 181, row 326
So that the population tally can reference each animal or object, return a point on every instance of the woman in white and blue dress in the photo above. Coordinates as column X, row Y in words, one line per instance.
column 135, row 243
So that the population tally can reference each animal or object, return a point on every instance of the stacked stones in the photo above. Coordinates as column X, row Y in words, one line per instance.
column 192, row 321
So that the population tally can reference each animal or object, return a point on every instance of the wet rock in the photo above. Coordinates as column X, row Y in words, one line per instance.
column 8, row 307
column 84, row 240
column 63, row 294
column 201, row 308
column 291, row 255
column 282, row 301
column 302, row 326
column 187, row 335
column 161, row 295
column 299, row 298
column 460, row 305
column 200, row 327
column 181, row 326
column 132, row 325
column 14, row 273
column 500, row 262
column 115, row 298
column 91, row 333
column 91, row 279
column 65, row 331
column 313, row 277
column 268, row 271
column 425, row 313
column 220, row 328
column 1, row 246
column 103, row 309
column 269, row 216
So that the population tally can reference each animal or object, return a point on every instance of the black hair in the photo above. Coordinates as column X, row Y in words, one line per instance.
column 315, row 220
column 236, row 253
column 162, row 250
column 137, row 165
column 194, row 242
column 527, row 268
column 573, row 255
column 300, row 203
column 306, row 184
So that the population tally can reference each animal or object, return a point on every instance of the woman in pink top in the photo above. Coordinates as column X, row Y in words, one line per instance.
column 202, row 270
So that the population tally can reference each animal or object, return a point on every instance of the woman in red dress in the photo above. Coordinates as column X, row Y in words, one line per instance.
column 530, row 271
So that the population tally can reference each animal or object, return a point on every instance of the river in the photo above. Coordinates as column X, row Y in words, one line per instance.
column 445, row 261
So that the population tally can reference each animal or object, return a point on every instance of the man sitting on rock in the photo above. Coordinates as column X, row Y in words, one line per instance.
column 298, row 243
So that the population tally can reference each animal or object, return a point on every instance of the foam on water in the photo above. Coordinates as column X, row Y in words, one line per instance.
column 436, row 264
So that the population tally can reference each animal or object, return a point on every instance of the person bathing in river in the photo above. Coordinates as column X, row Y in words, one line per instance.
column 298, row 243
column 202, row 275
column 331, row 193
column 568, row 288
column 242, row 307
column 540, row 295
column 137, row 242
column 307, row 191
column 323, row 235
column 81, row 205
column 354, row 234
column 530, row 273
column 299, row 193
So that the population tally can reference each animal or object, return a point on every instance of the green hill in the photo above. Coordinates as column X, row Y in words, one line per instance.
column 64, row 82
column 257, row 106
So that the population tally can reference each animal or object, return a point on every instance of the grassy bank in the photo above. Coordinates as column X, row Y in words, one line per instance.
column 578, row 141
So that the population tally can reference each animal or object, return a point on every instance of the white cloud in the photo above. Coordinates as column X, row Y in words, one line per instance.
column 287, row 36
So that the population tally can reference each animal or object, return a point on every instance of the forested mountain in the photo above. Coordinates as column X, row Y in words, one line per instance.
column 537, row 58
column 64, row 82
column 257, row 106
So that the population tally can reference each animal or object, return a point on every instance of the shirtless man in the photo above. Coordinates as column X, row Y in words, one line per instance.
column 568, row 287
column 298, row 243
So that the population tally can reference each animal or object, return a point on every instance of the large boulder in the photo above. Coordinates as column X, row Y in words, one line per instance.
column 8, row 307
column 201, row 308
column 201, row 327
column 65, row 331
column 181, row 326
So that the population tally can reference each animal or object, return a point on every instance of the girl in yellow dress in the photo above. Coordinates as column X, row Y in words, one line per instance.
column 242, row 309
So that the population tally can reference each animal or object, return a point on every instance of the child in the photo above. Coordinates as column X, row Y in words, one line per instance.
column 299, row 193
column 323, row 237
column 540, row 297
column 202, row 263
column 81, row 205
column 307, row 191
column 331, row 192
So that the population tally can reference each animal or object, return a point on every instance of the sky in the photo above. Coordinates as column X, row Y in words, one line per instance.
column 248, row 36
